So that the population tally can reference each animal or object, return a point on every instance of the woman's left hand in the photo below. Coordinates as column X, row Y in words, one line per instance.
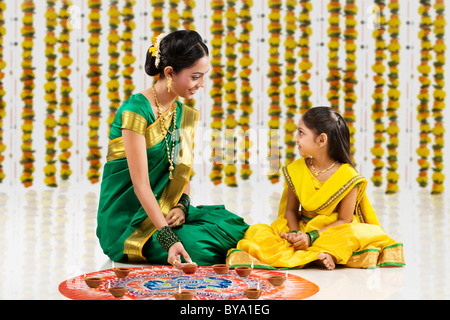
column 175, row 217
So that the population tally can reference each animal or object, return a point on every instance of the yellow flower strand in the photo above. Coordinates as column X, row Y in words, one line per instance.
column 157, row 24
column 128, row 58
column 187, row 18
column 290, row 127
column 439, row 99
column 274, row 93
column 50, row 95
column 334, row 33
column 349, row 78
column 187, row 15
column 423, row 108
column 230, row 94
column 246, row 101
column 216, row 93
column 174, row 16
column 66, row 101
column 94, row 74
column 2, row 91
column 393, row 97
column 378, row 97
column 188, row 24
column 305, row 64
column 27, row 94
column 113, row 51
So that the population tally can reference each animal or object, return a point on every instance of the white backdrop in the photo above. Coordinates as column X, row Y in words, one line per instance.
column 409, row 86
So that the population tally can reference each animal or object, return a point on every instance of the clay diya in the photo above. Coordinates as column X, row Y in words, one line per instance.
column 183, row 295
column 252, row 293
column 276, row 281
column 189, row 268
column 93, row 282
column 220, row 268
column 121, row 272
column 243, row 271
column 118, row 292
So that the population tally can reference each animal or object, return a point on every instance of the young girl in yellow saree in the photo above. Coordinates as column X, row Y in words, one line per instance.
column 324, row 214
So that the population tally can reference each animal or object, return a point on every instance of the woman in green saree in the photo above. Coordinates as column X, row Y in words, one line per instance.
column 144, row 209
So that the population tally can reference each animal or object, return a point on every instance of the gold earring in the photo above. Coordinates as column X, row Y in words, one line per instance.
column 169, row 84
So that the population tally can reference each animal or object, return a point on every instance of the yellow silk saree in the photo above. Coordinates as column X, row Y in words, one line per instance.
column 359, row 244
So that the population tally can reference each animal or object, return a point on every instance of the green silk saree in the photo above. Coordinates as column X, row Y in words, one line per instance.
column 124, row 230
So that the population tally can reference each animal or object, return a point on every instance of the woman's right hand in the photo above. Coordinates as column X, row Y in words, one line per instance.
column 175, row 253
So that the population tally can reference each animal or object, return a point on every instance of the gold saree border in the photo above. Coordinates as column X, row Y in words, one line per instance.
column 330, row 200
column 390, row 256
column 133, row 121
column 172, row 192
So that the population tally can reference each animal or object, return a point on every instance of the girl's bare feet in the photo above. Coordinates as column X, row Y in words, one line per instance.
column 327, row 260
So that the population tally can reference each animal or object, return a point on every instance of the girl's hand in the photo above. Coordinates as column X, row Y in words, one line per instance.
column 299, row 239
column 302, row 241
column 175, row 217
column 175, row 253
column 291, row 236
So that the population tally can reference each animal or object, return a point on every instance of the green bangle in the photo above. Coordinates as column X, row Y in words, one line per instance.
column 185, row 201
column 166, row 237
column 182, row 208
column 293, row 231
column 313, row 235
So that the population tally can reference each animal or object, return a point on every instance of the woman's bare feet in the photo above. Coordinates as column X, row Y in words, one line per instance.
column 327, row 260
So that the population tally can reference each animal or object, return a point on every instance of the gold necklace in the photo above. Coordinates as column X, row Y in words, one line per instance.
column 166, row 131
column 322, row 171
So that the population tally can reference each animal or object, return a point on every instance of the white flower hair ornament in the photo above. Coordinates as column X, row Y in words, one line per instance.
column 154, row 50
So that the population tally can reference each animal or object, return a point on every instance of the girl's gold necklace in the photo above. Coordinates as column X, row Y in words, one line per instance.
column 166, row 131
column 316, row 173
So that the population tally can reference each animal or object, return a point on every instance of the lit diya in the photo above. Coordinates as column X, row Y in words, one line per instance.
column 183, row 295
column 253, row 293
column 277, row 280
column 189, row 268
column 121, row 272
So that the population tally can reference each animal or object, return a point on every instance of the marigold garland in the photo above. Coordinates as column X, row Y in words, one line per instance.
column 274, row 92
column 2, row 91
column 50, row 95
column 349, row 78
column 439, row 98
column 305, row 63
column 230, row 94
column 188, row 23
column 423, row 108
column 216, row 93
column 187, row 16
column 66, row 101
column 174, row 16
column 393, row 97
column 94, row 74
column 27, row 94
column 290, row 91
column 127, row 47
column 378, row 97
column 334, row 33
column 113, row 84
column 246, row 101
column 157, row 24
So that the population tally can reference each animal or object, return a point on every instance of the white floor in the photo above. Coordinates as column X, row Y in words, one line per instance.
column 48, row 235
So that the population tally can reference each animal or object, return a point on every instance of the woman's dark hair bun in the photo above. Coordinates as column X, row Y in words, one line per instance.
column 180, row 49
